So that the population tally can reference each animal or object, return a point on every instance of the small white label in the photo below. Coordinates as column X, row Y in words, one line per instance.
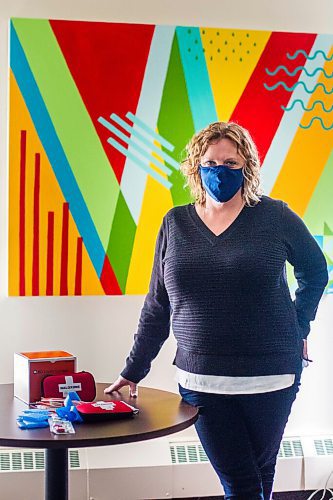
column 105, row 405
column 69, row 386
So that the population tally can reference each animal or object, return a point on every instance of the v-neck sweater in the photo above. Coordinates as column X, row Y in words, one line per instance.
column 228, row 296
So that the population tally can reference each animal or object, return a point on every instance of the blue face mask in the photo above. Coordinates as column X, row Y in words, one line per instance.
column 221, row 182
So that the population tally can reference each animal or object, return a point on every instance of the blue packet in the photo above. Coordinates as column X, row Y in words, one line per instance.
column 31, row 424
column 33, row 411
column 33, row 419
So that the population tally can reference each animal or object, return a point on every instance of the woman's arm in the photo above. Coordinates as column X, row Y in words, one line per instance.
column 310, row 268
column 154, row 323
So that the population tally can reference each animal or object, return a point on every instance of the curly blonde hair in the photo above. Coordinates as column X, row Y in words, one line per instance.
column 198, row 145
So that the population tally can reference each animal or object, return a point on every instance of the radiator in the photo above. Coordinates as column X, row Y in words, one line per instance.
column 157, row 469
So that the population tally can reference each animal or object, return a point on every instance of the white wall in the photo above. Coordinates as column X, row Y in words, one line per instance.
column 99, row 329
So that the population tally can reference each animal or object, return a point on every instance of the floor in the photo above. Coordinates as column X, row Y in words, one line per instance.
column 288, row 495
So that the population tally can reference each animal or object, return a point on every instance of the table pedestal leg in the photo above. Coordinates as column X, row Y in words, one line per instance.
column 56, row 474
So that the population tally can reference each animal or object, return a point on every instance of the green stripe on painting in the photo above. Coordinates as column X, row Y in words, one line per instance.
column 327, row 230
column 175, row 121
column 320, row 208
column 121, row 241
column 72, row 123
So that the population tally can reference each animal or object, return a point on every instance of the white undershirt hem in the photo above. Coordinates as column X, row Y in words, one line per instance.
column 233, row 385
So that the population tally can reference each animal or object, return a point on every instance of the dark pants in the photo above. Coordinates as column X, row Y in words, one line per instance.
column 241, row 435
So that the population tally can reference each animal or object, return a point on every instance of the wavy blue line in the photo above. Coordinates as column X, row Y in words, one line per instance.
column 290, row 89
column 321, row 122
column 301, row 51
column 307, row 109
column 293, row 73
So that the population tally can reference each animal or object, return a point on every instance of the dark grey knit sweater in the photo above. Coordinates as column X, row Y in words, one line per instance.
column 228, row 296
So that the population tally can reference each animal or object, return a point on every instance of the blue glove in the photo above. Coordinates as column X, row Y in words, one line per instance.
column 69, row 410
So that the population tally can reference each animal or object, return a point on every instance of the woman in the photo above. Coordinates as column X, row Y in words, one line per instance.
column 220, row 272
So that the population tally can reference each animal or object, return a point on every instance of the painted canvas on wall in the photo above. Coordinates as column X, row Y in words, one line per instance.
column 99, row 117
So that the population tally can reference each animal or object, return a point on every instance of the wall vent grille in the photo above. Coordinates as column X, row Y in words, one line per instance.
column 13, row 461
column 290, row 448
column 187, row 453
column 324, row 446
column 192, row 452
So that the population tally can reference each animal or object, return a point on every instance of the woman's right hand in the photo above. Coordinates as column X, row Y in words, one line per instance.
column 122, row 382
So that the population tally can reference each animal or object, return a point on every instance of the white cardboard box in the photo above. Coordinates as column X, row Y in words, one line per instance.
column 30, row 368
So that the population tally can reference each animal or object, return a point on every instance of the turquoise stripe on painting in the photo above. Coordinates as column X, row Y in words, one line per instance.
column 199, row 89
column 319, row 239
column 150, row 131
column 140, row 163
column 55, row 152
column 134, row 145
column 133, row 180
column 289, row 124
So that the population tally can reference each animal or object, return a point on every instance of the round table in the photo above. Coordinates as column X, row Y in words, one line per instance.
column 160, row 413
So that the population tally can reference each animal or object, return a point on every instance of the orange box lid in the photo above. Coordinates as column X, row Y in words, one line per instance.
column 46, row 354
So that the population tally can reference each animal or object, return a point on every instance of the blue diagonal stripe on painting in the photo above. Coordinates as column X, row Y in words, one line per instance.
column 134, row 145
column 55, row 152
column 140, row 163
column 150, row 131
column 290, row 121
column 197, row 79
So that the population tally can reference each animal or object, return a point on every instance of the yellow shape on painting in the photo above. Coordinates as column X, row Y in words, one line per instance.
column 51, row 200
column 156, row 202
column 231, row 56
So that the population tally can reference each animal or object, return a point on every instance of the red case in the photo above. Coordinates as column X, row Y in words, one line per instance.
column 101, row 411
column 58, row 386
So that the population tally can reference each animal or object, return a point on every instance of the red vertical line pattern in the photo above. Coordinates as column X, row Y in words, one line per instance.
column 64, row 251
column 23, row 154
column 49, row 258
column 35, row 244
column 78, row 270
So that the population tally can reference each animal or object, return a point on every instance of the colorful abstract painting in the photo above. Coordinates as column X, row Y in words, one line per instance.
column 99, row 117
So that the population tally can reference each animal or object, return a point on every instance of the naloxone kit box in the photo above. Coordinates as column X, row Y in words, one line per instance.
column 30, row 368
